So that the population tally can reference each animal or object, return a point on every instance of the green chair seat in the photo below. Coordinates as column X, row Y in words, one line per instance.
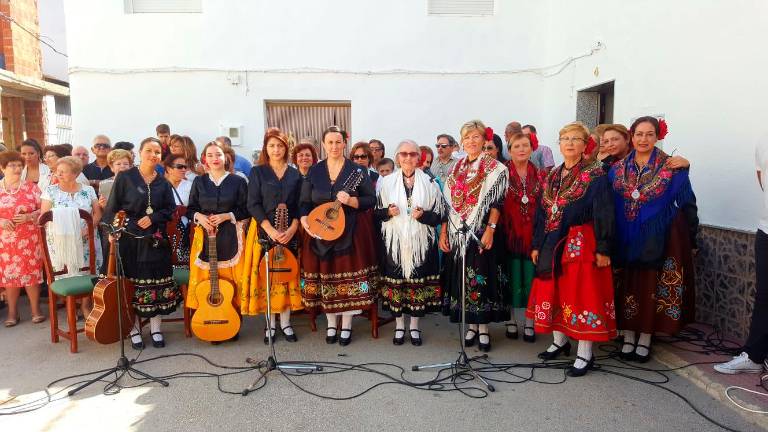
column 181, row 276
column 72, row 286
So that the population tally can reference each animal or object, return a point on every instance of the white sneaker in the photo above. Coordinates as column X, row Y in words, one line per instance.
column 740, row 364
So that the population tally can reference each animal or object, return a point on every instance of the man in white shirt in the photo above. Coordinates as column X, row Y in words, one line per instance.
column 756, row 349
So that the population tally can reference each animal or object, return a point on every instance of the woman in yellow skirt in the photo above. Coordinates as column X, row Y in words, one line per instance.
column 218, row 199
column 273, row 184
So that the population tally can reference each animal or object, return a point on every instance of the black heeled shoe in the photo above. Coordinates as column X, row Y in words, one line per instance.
column 573, row 371
column 345, row 341
column 471, row 341
column 627, row 356
column 398, row 340
column 157, row 343
column 266, row 338
column 138, row 346
column 642, row 358
column 289, row 337
column 483, row 346
column 415, row 341
column 330, row 340
column 551, row 355
column 529, row 338
column 511, row 335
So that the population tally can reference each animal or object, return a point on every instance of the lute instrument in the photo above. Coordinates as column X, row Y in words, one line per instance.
column 101, row 325
column 327, row 221
column 215, row 319
column 283, row 265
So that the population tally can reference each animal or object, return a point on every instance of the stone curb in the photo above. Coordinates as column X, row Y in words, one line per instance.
column 713, row 388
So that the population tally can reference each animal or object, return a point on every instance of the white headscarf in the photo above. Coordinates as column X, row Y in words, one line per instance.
column 406, row 239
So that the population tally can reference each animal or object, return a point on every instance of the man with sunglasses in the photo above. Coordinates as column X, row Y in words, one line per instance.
column 99, row 170
column 445, row 161
column 377, row 150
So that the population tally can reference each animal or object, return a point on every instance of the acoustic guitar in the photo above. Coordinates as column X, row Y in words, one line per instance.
column 215, row 318
column 327, row 221
column 101, row 325
column 283, row 265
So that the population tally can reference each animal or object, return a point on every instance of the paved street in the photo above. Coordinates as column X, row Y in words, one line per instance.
column 598, row 401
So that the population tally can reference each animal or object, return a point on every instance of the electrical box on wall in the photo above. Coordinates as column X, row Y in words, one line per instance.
column 235, row 134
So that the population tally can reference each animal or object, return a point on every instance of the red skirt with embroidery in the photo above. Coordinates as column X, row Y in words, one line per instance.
column 578, row 302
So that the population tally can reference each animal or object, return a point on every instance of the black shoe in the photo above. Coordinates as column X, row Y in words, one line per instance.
column 138, row 346
column 627, row 356
column 577, row 372
column 484, row 347
column 547, row 355
column 156, row 343
column 642, row 358
column 345, row 341
column 529, row 338
column 398, row 340
column 511, row 335
column 289, row 337
column 416, row 341
column 331, row 339
column 266, row 338
column 471, row 341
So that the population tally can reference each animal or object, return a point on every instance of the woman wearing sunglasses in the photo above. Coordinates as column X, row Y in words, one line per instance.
column 409, row 208
column 475, row 189
column 176, row 170
column 361, row 154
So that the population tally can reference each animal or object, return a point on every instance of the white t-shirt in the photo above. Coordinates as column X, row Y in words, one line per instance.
column 761, row 163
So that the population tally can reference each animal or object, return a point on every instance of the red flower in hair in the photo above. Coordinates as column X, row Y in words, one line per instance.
column 591, row 145
column 534, row 141
column 663, row 129
column 488, row 134
column 422, row 159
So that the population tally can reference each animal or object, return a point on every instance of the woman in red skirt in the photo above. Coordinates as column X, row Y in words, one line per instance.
column 339, row 277
column 572, row 294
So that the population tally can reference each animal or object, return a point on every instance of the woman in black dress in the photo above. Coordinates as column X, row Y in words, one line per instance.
column 147, row 199
column 339, row 277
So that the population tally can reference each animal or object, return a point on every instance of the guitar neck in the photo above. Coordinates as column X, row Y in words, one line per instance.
column 213, row 263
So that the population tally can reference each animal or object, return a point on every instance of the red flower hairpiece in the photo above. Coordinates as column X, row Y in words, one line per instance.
column 591, row 145
column 488, row 134
column 663, row 129
column 422, row 159
column 534, row 141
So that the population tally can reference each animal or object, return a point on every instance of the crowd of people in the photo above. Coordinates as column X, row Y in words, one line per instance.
column 597, row 247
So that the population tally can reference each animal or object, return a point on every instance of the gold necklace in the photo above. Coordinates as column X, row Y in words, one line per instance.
column 152, row 177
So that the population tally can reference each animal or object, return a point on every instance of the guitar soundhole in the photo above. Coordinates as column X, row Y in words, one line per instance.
column 332, row 214
column 215, row 299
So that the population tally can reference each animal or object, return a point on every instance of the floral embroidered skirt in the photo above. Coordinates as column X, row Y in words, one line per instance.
column 485, row 301
column 341, row 282
column 150, row 271
column 662, row 300
column 517, row 279
column 415, row 296
column 579, row 302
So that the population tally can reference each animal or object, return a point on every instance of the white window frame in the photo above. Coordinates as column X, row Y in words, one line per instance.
column 434, row 8
column 163, row 6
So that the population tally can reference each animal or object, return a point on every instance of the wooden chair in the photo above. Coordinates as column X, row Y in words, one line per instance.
column 70, row 289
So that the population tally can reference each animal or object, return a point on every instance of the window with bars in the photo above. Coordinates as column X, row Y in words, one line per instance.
column 302, row 119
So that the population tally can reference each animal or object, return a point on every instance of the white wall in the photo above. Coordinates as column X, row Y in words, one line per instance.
column 697, row 62
column 691, row 60
column 52, row 31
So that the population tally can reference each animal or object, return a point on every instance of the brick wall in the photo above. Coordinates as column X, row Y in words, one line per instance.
column 21, row 49
column 34, row 120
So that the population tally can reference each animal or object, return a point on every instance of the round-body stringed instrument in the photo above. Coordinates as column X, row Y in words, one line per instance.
column 215, row 319
column 101, row 325
column 283, row 265
column 327, row 221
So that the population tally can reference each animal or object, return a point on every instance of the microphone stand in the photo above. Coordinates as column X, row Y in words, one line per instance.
column 272, row 362
column 123, row 364
column 463, row 363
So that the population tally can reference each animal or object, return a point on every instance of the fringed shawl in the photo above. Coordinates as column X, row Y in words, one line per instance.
column 472, row 189
column 407, row 240
column 519, row 217
column 561, row 191
column 661, row 192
